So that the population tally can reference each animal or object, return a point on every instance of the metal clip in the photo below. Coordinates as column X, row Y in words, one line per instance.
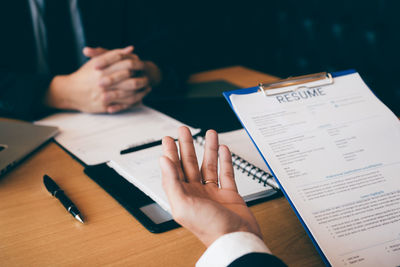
column 292, row 84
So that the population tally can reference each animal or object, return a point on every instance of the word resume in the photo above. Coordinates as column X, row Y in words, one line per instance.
column 335, row 150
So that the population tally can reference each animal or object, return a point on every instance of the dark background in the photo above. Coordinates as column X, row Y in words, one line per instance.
column 285, row 38
column 280, row 37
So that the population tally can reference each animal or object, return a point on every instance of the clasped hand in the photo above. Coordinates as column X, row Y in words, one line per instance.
column 207, row 210
column 111, row 81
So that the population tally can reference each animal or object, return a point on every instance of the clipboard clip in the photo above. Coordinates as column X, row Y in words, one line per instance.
column 292, row 84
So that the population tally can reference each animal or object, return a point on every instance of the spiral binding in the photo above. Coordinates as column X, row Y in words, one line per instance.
column 252, row 171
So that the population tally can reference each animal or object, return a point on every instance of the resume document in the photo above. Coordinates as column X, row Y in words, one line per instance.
column 335, row 151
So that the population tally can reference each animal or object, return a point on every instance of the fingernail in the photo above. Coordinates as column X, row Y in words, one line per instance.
column 85, row 50
column 128, row 49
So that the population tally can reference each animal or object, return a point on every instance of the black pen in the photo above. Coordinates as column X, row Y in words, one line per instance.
column 140, row 147
column 56, row 191
column 154, row 143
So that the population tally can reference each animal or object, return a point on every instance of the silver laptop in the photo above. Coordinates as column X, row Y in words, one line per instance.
column 18, row 139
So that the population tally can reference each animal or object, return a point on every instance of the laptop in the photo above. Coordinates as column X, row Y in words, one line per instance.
column 19, row 139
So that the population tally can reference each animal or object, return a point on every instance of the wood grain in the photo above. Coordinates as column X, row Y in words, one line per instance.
column 35, row 230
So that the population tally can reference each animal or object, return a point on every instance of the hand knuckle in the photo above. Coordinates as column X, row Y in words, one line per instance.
column 101, row 73
column 131, row 64
column 118, row 57
column 132, row 83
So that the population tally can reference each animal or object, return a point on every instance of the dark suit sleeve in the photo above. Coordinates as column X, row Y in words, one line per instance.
column 257, row 259
column 21, row 90
column 21, row 94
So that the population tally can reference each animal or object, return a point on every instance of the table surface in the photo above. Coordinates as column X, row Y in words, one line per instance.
column 35, row 229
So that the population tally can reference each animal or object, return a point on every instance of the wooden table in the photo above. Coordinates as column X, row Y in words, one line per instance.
column 35, row 229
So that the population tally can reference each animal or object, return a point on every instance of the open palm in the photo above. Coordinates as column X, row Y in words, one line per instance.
column 205, row 203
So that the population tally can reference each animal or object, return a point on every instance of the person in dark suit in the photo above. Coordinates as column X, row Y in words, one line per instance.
column 207, row 203
column 78, row 55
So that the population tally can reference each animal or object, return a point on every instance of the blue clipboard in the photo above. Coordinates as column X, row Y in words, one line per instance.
column 253, row 90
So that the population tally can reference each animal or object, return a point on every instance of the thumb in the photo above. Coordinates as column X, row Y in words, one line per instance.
column 93, row 52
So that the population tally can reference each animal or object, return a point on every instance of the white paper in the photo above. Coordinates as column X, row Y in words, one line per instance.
column 96, row 138
column 336, row 152
column 240, row 143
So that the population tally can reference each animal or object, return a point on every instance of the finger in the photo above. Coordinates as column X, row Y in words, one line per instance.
column 111, row 57
column 209, row 167
column 124, row 64
column 170, row 151
column 131, row 63
column 115, row 108
column 131, row 84
column 93, row 52
column 171, row 183
column 124, row 97
column 112, row 96
column 114, row 78
column 131, row 98
column 136, row 63
column 188, row 155
column 226, row 174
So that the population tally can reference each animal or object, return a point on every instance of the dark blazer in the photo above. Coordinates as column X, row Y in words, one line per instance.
column 108, row 24
column 257, row 259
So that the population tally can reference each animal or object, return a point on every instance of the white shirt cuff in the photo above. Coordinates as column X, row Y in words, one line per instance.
column 230, row 247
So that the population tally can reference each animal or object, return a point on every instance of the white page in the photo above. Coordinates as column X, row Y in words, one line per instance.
column 337, row 155
column 142, row 169
column 240, row 143
column 96, row 138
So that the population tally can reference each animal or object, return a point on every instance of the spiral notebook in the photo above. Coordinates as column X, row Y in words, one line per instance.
column 141, row 168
